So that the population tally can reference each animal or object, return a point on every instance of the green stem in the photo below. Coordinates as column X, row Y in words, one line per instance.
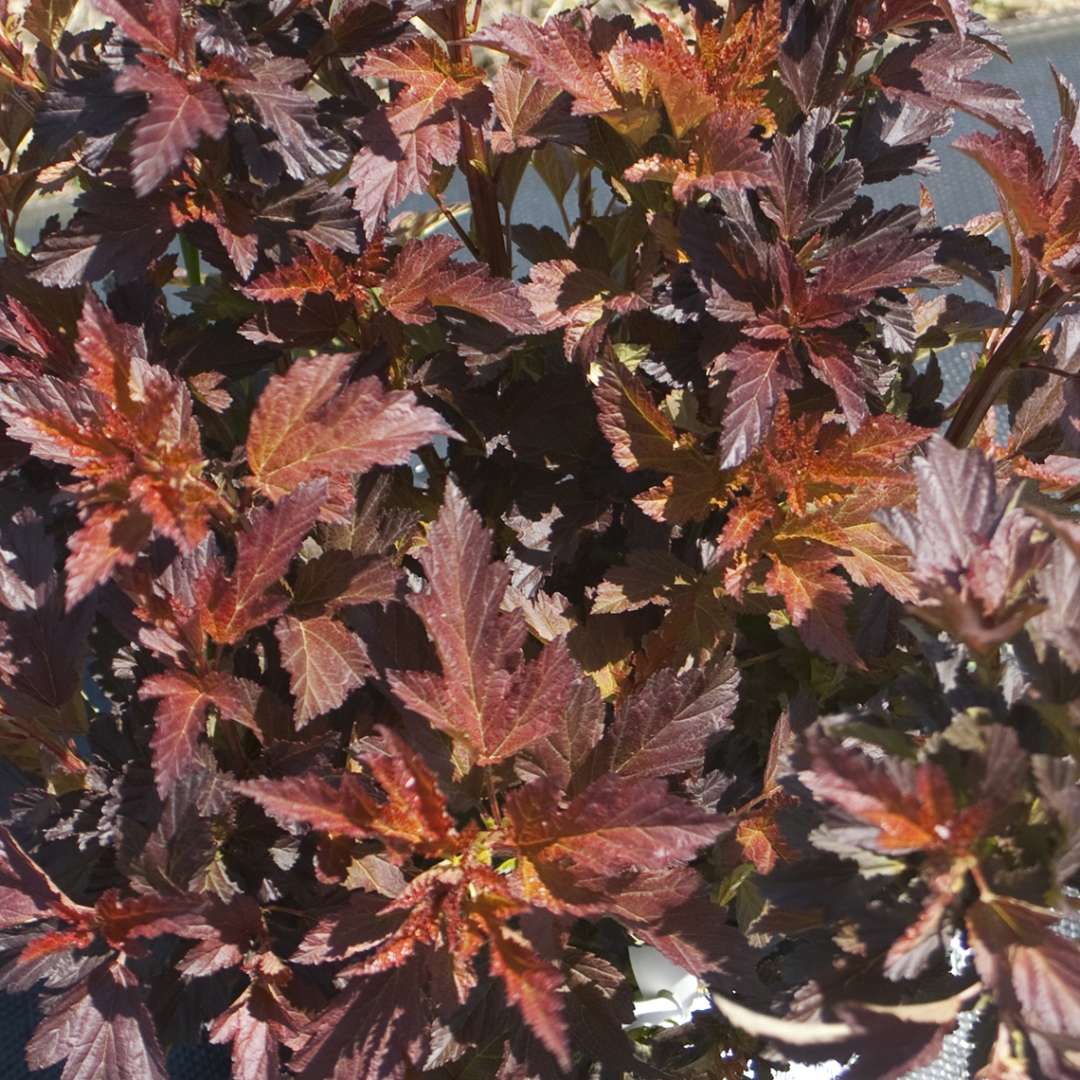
column 192, row 262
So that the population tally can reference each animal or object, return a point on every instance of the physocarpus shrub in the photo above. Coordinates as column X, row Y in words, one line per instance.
column 409, row 609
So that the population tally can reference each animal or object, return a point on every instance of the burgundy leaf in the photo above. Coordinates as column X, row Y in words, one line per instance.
column 762, row 372
column 305, row 147
column 264, row 549
column 616, row 826
column 103, row 1030
column 663, row 728
column 178, row 722
column 153, row 25
column 311, row 422
column 424, row 277
column 26, row 891
column 375, row 1029
column 179, row 113
column 935, row 76
column 256, row 1024
column 558, row 53
column 325, row 661
column 487, row 696
column 411, row 810
column 580, row 725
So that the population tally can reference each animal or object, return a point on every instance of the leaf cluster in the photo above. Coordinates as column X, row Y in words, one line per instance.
column 407, row 610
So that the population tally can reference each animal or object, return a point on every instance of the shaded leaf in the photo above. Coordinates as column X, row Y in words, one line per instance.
column 101, row 1030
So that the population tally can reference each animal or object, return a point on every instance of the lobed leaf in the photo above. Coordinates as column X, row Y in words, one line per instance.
column 487, row 695
column 310, row 423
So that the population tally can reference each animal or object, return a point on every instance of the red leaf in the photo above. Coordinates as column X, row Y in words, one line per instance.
column 405, row 140
column 178, row 722
column 934, row 75
column 461, row 909
column 264, row 550
column 415, row 811
column 762, row 373
column 236, row 699
column 207, row 388
column 642, row 437
column 528, row 110
column 325, row 661
column 739, row 59
column 155, row 25
column 27, row 893
column 745, row 520
column 1015, row 163
column 424, row 277
column 531, row 983
column 319, row 271
column 863, row 547
column 975, row 560
column 877, row 452
column 180, row 112
column 120, row 922
column 256, row 1024
column 224, row 933
column 53, row 942
column 835, row 365
column 958, row 12
column 579, row 727
column 486, row 696
column 663, row 727
column 102, row 1029
column 337, row 579
column 578, row 301
column 815, row 597
column 423, row 68
column 760, row 837
column 130, row 438
column 1026, row 962
column 305, row 148
column 722, row 156
column 310, row 423
column 308, row 800
column 883, row 259
column 912, row 807
column 377, row 1029
column 411, row 812
column 677, row 74
column 616, row 827
column 347, row 931
column 1060, row 583
column 180, row 717
column 558, row 53
column 398, row 159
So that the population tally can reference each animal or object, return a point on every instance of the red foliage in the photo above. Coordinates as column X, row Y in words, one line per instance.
column 451, row 604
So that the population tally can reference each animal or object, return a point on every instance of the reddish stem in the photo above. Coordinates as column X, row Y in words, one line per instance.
column 474, row 162
column 981, row 393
